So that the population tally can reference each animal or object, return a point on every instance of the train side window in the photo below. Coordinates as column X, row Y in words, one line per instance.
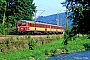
column 51, row 26
column 29, row 24
column 54, row 27
column 19, row 24
column 58, row 27
column 42, row 25
column 48, row 26
column 32, row 25
column 37, row 25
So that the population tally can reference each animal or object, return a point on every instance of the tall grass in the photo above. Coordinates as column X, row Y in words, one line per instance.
column 39, row 52
column 50, row 49
column 78, row 44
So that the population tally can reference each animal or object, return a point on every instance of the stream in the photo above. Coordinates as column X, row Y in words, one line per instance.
column 83, row 55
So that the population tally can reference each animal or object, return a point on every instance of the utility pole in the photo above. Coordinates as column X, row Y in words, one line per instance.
column 35, row 16
column 60, row 22
column 57, row 19
column 66, row 16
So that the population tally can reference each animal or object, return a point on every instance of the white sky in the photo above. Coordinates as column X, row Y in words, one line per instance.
column 49, row 7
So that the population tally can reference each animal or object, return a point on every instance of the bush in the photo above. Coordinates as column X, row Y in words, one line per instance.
column 48, row 36
column 87, row 46
column 68, row 35
column 6, row 30
column 3, row 30
column 32, row 44
column 13, row 31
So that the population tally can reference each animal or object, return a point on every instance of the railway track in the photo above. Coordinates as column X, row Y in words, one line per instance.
column 3, row 37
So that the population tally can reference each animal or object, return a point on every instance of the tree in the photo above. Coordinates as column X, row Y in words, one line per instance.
column 14, row 10
column 24, row 10
column 3, row 6
column 80, row 15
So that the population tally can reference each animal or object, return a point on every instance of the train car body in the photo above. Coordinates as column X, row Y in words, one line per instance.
column 34, row 27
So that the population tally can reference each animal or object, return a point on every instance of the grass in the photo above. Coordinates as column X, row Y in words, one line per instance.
column 50, row 49
column 39, row 53
column 79, row 44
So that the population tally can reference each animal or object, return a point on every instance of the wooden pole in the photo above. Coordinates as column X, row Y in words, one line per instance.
column 66, row 17
column 35, row 16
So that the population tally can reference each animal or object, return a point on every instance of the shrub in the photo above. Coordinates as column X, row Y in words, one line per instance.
column 48, row 36
column 46, row 52
column 87, row 46
column 32, row 44
column 68, row 35
column 3, row 29
column 13, row 31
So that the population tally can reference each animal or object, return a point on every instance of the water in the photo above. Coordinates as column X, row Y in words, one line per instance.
column 84, row 55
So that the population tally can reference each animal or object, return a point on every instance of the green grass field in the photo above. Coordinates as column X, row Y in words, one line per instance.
column 50, row 49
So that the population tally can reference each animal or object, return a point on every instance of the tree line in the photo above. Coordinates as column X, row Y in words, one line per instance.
column 14, row 10
column 80, row 17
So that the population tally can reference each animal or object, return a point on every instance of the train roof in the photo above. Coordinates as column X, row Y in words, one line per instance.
column 26, row 21
column 48, row 24
column 37, row 22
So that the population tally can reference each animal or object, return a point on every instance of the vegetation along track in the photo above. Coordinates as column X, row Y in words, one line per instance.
column 3, row 37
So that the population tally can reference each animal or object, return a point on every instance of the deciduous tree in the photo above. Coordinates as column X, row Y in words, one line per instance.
column 80, row 15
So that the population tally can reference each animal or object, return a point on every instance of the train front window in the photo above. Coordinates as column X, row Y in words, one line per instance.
column 23, row 24
column 19, row 24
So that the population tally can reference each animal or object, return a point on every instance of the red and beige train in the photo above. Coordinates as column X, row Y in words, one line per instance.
column 35, row 27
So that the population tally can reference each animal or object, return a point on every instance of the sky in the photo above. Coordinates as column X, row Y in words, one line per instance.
column 48, row 7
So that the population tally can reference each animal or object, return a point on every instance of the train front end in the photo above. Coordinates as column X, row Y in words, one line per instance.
column 22, row 26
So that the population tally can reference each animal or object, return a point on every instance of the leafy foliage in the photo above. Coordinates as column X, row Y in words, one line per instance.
column 68, row 35
column 13, row 10
column 80, row 15
column 24, row 9
column 32, row 44
column 47, row 50
column 3, row 30
column 2, row 10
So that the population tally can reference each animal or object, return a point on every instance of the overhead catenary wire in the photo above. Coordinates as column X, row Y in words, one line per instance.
column 46, row 7
column 48, row 10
